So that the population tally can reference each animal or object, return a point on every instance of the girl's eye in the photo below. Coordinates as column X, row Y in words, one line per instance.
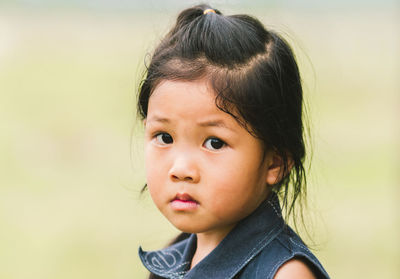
column 164, row 138
column 214, row 144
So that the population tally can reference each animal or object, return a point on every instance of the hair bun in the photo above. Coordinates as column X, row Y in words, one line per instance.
column 187, row 16
column 209, row 11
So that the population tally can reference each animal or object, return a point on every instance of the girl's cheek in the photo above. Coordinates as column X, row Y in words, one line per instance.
column 154, row 157
column 150, row 162
column 150, row 150
column 154, row 161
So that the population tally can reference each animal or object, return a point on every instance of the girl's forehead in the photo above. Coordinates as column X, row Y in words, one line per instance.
column 197, row 95
column 183, row 97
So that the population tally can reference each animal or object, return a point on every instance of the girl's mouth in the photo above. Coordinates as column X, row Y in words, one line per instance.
column 183, row 202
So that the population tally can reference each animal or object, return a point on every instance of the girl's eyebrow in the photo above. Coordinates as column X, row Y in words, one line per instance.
column 207, row 123
column 214, row 123
column 158, row 119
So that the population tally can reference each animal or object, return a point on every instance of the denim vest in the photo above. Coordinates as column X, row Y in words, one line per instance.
column 255, row 248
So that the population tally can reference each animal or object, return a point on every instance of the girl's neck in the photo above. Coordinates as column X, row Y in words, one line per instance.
column 208, row 241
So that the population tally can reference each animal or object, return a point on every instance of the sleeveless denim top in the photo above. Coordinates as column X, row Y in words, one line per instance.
column 255, row 248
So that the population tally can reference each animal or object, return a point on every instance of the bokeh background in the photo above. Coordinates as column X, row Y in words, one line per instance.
column 71, row 162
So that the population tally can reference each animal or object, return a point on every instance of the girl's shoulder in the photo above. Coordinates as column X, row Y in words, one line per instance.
column 294, row 269
column 285, row 250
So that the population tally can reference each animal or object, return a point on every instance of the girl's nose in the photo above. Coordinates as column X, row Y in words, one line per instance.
column 184, row 169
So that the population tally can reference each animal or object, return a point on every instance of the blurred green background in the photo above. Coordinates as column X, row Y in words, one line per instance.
column 71, row 162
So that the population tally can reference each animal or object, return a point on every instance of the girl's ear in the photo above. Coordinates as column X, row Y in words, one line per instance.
column 276, row 168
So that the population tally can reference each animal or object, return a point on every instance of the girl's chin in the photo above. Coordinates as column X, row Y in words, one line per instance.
column 187, row 227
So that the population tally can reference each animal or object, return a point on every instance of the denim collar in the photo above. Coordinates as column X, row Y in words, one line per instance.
column 242, row 244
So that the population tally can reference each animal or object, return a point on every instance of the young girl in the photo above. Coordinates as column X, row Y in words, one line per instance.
column 222, row 107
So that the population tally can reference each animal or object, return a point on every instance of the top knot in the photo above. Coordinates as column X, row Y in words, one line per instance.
column 209, row 11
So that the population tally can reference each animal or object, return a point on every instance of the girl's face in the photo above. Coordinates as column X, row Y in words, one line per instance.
column 205, row 172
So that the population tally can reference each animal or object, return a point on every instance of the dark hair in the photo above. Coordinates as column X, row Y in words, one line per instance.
column 255, row 78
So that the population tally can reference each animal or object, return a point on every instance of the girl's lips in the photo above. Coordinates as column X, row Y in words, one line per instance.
column 183, row 202
column 183, row 197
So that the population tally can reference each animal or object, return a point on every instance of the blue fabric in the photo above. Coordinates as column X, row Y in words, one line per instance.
column 255, row 248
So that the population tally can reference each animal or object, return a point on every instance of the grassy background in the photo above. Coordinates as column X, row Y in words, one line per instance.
column 71, row 161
